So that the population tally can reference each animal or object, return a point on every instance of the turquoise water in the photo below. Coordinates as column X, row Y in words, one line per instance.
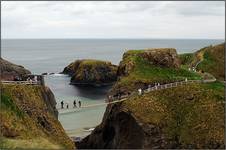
column 75, row 122
column 52, row 55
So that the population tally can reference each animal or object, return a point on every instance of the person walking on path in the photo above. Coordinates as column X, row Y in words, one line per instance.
column 139, row 91
column 67, row 106
column 149, row 88
column 109, row 98
column 79, row 103
column 74, row 103
column 62, row 104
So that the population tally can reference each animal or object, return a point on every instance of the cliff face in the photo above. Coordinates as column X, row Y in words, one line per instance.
column 29, row 119
column 9, row 70
column 166, row 57
column 189, row 116
column 91, row 72
column 50, row 101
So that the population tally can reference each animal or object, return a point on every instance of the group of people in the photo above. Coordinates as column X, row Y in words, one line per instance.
column 110, row 98
column 140, row 91
column 29, row 79
column 74, row 104
column 32, row 79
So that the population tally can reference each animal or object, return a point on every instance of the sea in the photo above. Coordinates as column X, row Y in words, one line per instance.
column 52, row 55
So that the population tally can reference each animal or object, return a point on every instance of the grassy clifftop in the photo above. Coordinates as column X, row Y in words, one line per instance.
column 213, row 61
column 26, row 121
column 211, row 57
column 188, row 115
column 185, row 117
column 136, row 70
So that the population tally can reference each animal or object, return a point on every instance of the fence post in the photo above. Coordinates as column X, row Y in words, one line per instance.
column 42, row 80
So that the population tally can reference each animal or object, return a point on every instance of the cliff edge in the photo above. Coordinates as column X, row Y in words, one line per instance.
column 29, row 119
column 8, row 70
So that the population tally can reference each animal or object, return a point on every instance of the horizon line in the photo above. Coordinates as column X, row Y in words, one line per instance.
column 114, row 38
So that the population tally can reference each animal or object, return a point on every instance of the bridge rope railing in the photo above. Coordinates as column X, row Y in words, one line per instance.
column 30, row 79
column 153, row 88
column 21, row 82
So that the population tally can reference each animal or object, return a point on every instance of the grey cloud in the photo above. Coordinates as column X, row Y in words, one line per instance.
column 199, row 8
column 112, row 19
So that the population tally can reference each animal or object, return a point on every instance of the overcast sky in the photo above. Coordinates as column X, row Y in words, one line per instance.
column 153, row 19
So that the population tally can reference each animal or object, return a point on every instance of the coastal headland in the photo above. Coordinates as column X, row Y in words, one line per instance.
column 187, row 116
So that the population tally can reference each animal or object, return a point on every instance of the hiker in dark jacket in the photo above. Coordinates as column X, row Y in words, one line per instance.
column 79, row 103
column 62, row 104
column 74, row 103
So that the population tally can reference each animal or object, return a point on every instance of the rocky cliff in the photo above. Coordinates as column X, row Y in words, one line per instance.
column 188, row 116
column 9, row 70
column 29, row 119
column 91, row 72
column 139, row 68
column 162, row 57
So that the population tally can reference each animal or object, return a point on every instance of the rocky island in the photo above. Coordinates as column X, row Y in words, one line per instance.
column 186, row 116
column 91, row 72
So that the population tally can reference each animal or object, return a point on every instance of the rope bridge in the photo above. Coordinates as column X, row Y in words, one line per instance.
column 112, row 101
column 125, row 97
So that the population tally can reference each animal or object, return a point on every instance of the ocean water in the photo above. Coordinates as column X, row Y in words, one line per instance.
column 52, row 55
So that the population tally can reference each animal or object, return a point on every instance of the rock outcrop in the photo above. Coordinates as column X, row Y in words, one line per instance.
column 9, row 70
column 140, row 68
column 29, row 119
column 163, row 57
column 50, row 101
column 91, row 72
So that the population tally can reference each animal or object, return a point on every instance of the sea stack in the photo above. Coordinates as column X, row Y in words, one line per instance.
column 91, row 72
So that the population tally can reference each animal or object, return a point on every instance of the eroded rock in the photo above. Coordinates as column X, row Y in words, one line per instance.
column 91, row 72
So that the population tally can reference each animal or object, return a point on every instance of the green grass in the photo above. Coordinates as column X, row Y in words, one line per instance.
column 146, row 72
column 7, row 103
column 24, row 127
column 93, row 62
column 189, row 114
column 143, row 72
column 186, row 59
column 213, row 60
column 35, row 143
column 215, row 85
